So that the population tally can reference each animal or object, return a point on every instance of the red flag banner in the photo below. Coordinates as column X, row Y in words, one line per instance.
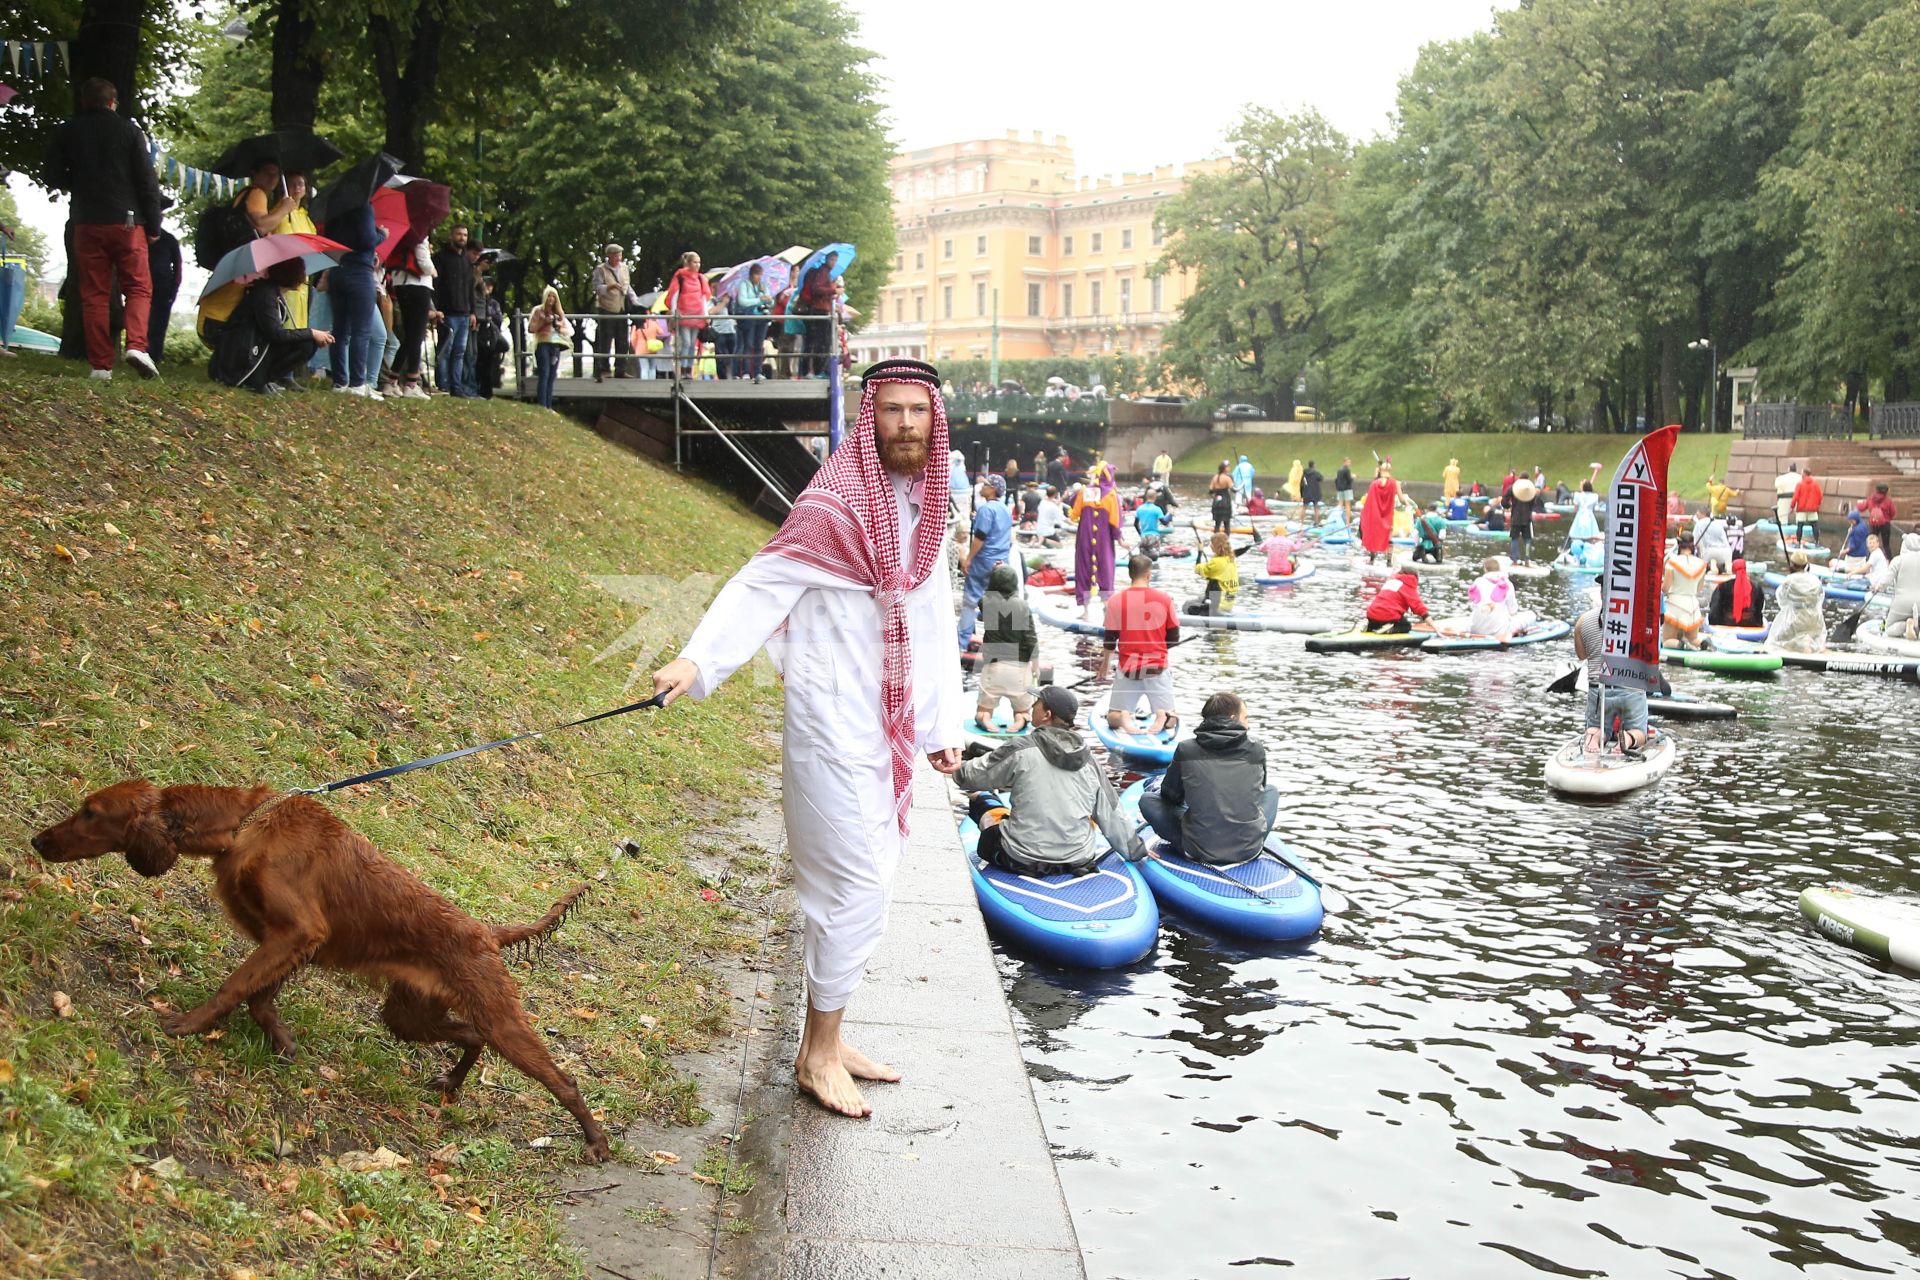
column 1636, row 559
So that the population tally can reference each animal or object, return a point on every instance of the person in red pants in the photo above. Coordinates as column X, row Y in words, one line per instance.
column 101, row 158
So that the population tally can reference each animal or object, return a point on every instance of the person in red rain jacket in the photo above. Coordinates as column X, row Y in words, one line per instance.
column 1398, row 597
column 1807, row 497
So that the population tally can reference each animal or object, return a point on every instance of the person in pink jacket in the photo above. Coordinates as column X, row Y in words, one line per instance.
column 689, row 298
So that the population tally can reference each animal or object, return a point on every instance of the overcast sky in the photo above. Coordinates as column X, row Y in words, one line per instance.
column 1130, row 84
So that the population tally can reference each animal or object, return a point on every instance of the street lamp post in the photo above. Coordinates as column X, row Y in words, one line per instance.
column 1713, row 379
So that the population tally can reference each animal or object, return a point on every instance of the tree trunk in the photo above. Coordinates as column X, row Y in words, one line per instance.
column 1669, row 379
column 407, row 87
column 299, row 67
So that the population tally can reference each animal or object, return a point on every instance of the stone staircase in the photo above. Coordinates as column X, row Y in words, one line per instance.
column 1847, row 471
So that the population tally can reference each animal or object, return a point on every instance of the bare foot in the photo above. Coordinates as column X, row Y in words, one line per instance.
column 832, row 1087
column 861, row 1067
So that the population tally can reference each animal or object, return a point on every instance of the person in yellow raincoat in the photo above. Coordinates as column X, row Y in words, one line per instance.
column 297, row 219
column 1293, row 480
column 1450, row 479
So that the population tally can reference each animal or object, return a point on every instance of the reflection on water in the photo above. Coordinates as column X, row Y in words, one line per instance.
column 1546, row 1037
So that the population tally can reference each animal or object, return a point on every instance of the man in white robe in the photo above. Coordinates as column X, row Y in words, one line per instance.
column 853, row 599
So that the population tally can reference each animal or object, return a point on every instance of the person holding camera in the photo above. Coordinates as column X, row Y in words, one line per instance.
column 612, row 286
column 552, row 334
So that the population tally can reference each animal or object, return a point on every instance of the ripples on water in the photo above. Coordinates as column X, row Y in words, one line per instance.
column 1548, row 1036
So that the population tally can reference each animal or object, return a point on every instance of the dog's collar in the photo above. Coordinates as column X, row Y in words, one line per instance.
column 261, row 810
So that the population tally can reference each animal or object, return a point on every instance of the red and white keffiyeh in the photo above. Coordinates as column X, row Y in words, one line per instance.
column 846, row 523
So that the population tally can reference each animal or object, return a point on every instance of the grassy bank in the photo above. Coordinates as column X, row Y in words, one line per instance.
column 205, row 586
column 1483, row 456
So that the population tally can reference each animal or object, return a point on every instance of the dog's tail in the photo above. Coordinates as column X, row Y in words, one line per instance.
column 519, row 935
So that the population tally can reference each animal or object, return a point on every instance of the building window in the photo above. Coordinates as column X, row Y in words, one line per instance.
column 1093, row 297
column 919, row 262
column 1126, row 295
column 1126, row 238
column 919, row 308
column 1094, row 247
column 899, row 261
column 1066, row 302
column 979, row 246
column 899, row 310
column 946, row 302
column 1159, row 236
column 1158, row 292
column 980, row 298
column 1033, row 246
column 1033, row 299
column 1066, row 246
column 946, row 248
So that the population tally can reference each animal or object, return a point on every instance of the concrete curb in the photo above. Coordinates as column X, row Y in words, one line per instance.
column 952, row 1178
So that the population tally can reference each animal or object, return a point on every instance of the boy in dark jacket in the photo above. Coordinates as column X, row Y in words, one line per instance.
column 1006, row 650
column 1214, row 805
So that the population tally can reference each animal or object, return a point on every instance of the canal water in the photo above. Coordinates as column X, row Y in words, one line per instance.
column 1545, row 1037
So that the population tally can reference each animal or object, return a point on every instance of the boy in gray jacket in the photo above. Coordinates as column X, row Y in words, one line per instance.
column 1062, row 813
column 1214, row 804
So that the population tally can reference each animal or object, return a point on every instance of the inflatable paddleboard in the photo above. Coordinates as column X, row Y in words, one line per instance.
column 1303, row 569
column 1065, row 621
column 1856, row 664
column 1835, row 588
column 1267, row 899
column 1682, row 707
column 1721, row 662
column 1880, row 925
column 1562, row 508
column 1131, row 740
column 1873, row 637
column 1103, row 918
column 1480, row 531
column 1453, row 636
column 1258, row 622
column 1744, row 635
column 1358, row 641
column 1572, row 770
column 1001, row 732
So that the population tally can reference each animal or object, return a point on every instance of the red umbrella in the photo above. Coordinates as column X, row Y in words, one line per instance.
column 409, row 208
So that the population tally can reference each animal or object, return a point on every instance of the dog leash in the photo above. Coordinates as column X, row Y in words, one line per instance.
column 427, row 762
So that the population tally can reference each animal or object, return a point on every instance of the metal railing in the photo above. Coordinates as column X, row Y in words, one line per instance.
column 1786, row 420
column 609, row 353
column 1020, row 405
column 1894, row 422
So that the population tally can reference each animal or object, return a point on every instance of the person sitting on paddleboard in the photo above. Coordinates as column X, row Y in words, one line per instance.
column 1903, row 617
column 1149, row 518
column 1221, row 572
column 1496, row 519
column 1280, row 549
column 1736, row 602
column 1214, row 804
column 1061, row 813
column 1800, row 625
column 1496, row 608
column 1737, row 537
column 1855, row 547
column 1007, row 649
column 1141, row 625
column 1257, row 504
column 1398, row 596
column 1431, row 530
column 1878, row 569
column 1626, row 709
column 1459, row 508
column 1046, row 522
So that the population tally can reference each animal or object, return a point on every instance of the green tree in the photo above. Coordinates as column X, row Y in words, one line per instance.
column 1256, row 235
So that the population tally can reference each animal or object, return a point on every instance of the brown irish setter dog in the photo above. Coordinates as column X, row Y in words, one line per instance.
column 311, row 890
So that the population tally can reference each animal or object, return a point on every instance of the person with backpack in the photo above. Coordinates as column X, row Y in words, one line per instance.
column 101, row 158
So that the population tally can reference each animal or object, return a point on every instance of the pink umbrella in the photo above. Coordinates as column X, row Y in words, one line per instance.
column 7, row 94
column 250, row 261
column 774, row 275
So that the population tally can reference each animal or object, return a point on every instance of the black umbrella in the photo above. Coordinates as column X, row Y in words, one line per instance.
column 497, row 256
column 355, row 187
column 294, row 150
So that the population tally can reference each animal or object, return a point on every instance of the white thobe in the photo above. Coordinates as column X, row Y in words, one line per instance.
column 836, row 777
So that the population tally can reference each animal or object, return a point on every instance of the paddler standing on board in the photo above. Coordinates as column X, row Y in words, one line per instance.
column 1376, row 513
column 854, row 600
column 1450, row 480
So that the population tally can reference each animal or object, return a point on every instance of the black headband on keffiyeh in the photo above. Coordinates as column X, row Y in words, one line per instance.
column 899, row 369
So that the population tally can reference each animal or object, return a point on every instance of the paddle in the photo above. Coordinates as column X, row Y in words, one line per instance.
column 1843, row 634
column 1331, row 899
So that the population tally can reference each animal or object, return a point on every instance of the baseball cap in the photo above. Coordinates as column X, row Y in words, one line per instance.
column 1060, row 704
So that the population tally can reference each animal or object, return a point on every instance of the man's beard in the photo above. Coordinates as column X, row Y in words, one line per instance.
column 903, row 456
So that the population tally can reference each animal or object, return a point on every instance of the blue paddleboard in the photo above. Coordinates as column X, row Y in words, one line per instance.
column 1104, row 918
column 1267, row 899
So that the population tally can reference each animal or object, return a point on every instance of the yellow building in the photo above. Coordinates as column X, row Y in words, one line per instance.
column 1006, row 221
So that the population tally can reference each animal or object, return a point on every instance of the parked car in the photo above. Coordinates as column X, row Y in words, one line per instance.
column 1164, row 399
column 1305, row 413
column 1228, row 412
